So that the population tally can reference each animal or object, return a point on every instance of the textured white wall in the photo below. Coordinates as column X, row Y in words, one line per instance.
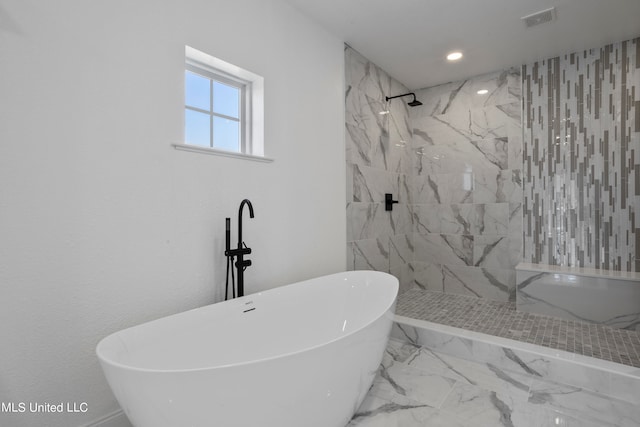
column 103, row 224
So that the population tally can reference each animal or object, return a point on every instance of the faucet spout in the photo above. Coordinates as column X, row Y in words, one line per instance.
column 242, row 250
column 242, row 204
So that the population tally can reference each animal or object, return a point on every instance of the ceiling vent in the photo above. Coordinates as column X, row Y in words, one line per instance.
column 538, row 18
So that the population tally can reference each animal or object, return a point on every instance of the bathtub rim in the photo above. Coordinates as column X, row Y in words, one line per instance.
column 390, row 306
column 631, row 276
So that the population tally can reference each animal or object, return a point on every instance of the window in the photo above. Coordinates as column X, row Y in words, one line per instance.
column 214, row 113
column 223, row 108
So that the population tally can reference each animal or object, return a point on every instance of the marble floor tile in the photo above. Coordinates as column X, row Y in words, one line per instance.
column 583, row 404
column 377, row 412
column 487, row 407
column 485, row 375
column 416, row 386
column 403, row 384
column 552, row 418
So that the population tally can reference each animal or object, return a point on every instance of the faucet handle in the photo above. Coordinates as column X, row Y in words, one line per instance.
column 388, row 202
column 244, row 264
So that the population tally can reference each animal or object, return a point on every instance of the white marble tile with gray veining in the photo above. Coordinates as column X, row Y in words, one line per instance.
column 473, row 124
column 514, row 232
column 426, row 218
column 440, row 130
column 370, row 184
column 494, row 150
column 484, row 375
column 366, row 221
column 583, row 404
column 391, row 152
column 404, row 273
column 358, row 145
column 399, row 120
column 418, row 386
column 501, row 186
column 487, row 407
column 404, row 384
column 379, row 161
column 371, row 220
column 368, row 254
column 491, row 219
column 457, row 187
column 570, row 295
column 430, row 189
column 365, row 76
column 428, row 276
column 377, row 412
column 473, row 350
column 437, row 100
column 458, row 219
column 399, row 219
column 476, row 219
column 515, row 141
column 503, row 87
column 462, row 156
column 363, row 112
column 401, row 249
column 495, row 284
column 492, row 252
column 427, row 160
column 444, row 248
column 602, row 377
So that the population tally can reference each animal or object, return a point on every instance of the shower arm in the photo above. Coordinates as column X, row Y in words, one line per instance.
column 389, row 98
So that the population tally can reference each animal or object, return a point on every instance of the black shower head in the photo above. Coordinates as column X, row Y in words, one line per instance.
column 413, row 103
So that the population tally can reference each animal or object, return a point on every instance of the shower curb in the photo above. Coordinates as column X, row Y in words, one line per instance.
column 600, row 376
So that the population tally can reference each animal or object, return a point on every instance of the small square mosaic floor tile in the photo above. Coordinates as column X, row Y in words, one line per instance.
column 501, row 319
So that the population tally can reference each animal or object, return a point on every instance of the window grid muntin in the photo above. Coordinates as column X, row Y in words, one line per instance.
column 223, row 78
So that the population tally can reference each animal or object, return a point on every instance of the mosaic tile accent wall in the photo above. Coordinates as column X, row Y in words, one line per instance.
column 467, row 186
column 581, row 176
column 378, row 161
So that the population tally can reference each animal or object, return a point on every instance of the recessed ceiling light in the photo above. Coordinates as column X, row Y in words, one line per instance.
column 482, row 92
column 454, row 56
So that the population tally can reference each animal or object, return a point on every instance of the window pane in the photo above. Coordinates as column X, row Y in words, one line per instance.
column 197, row 91
column 226, row 99
column 197, row 128
column 226, row 134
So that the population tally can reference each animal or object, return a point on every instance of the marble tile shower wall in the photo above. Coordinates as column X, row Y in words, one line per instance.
column 582, row 158
column 467, row 188
column 378, row 157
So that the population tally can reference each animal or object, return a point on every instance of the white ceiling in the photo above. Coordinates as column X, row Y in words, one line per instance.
column 410, row 38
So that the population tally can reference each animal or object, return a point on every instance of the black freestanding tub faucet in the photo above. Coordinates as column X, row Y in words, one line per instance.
column 241, row 264
column 243, row 250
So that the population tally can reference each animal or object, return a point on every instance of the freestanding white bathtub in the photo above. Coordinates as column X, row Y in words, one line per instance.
column 299, row 355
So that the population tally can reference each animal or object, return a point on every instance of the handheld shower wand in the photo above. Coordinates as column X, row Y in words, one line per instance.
column 227, row 248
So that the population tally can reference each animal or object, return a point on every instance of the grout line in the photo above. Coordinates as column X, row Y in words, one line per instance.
column 501, row 319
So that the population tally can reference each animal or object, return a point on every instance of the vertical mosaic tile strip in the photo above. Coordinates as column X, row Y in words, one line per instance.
column 581, row 176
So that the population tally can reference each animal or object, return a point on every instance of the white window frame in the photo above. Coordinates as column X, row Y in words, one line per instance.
column 252, row 104
column 244, row 113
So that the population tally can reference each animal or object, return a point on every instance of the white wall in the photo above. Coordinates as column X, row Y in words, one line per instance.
column 103, row 224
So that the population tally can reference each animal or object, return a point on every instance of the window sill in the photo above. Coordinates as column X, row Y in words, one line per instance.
column 216, row 152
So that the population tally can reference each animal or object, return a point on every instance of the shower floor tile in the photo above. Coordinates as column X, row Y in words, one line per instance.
column 502, row 320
